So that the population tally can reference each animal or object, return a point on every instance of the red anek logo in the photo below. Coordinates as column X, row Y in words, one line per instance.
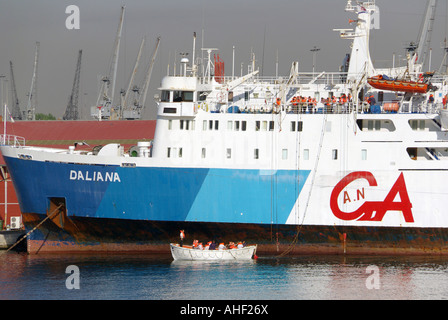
column 371, row 210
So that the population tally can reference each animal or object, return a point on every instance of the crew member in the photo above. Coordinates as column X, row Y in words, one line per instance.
column 182, row 237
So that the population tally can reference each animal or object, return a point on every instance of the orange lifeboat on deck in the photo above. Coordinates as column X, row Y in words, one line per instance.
column 379, row 82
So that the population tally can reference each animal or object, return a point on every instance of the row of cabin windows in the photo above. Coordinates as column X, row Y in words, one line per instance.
column 177, row 96
column 234, row 125
column 177, row 153
column 363, row 124
column 188, row 96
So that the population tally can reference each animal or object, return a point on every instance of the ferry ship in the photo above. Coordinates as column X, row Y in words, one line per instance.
column 301, row 164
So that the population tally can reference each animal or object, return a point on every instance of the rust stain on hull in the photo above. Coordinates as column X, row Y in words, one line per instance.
column 114, row 235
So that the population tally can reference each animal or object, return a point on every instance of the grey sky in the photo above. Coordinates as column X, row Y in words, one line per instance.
column 292, row 28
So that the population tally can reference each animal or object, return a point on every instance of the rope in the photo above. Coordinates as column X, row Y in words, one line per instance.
column 299, row 227
column 34, row 229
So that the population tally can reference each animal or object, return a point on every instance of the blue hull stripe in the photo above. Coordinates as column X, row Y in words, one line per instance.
column 159, row 194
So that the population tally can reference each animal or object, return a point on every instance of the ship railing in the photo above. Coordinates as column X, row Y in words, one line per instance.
column 12, row 140
column 301, row 78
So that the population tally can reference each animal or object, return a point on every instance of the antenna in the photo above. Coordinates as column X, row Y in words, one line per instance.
column 209, row 62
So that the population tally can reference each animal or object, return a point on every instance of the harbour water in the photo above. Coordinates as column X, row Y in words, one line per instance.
column 158, row 277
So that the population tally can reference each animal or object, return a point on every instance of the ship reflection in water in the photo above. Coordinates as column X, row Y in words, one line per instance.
column 153, row 277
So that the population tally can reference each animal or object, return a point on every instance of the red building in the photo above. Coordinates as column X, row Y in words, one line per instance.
column 62, row 134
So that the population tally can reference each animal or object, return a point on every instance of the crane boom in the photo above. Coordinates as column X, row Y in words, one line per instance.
column 148, row 75
column 16, row 113
column 424, row 40
column 71, row 113
column 32, row 97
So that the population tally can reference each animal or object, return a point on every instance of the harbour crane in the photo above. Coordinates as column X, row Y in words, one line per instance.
column 71, row 113
column 16, row 113
column 32, row 96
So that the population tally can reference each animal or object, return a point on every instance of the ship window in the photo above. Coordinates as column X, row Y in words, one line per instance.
column 271, row 125
column 237, row 126
column 375, row 125
column 186, row 124
column 170, row 124
column 229, row 125
column 257, row 125
column 265, row 126
column 216, row 124
column 228, row 153
column 363, row 154
column 424, row 125
column 202, row 96
column 165, row 96
column 210, row 124
column 243, row 125
column 246, row 95
column 298, row 125
column 203, row 153
column 168, row 152
column 306, row 154
column 187, row 96
column 256, row 153
column 169, row 110
column 284, row 154
column 204, row 125
column 179, row 96
column 180, row 152
column 334, row 154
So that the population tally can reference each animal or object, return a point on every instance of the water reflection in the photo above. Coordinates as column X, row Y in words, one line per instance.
column 129, row 276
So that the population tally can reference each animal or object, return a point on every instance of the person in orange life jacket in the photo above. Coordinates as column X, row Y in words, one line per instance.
column 294, row 101
column 221, row 246
column 182, row 237
column 195, row 244
column 431, row 99
column 240, row 245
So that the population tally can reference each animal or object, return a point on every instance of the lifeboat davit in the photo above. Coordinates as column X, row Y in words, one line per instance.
column 379, row 82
